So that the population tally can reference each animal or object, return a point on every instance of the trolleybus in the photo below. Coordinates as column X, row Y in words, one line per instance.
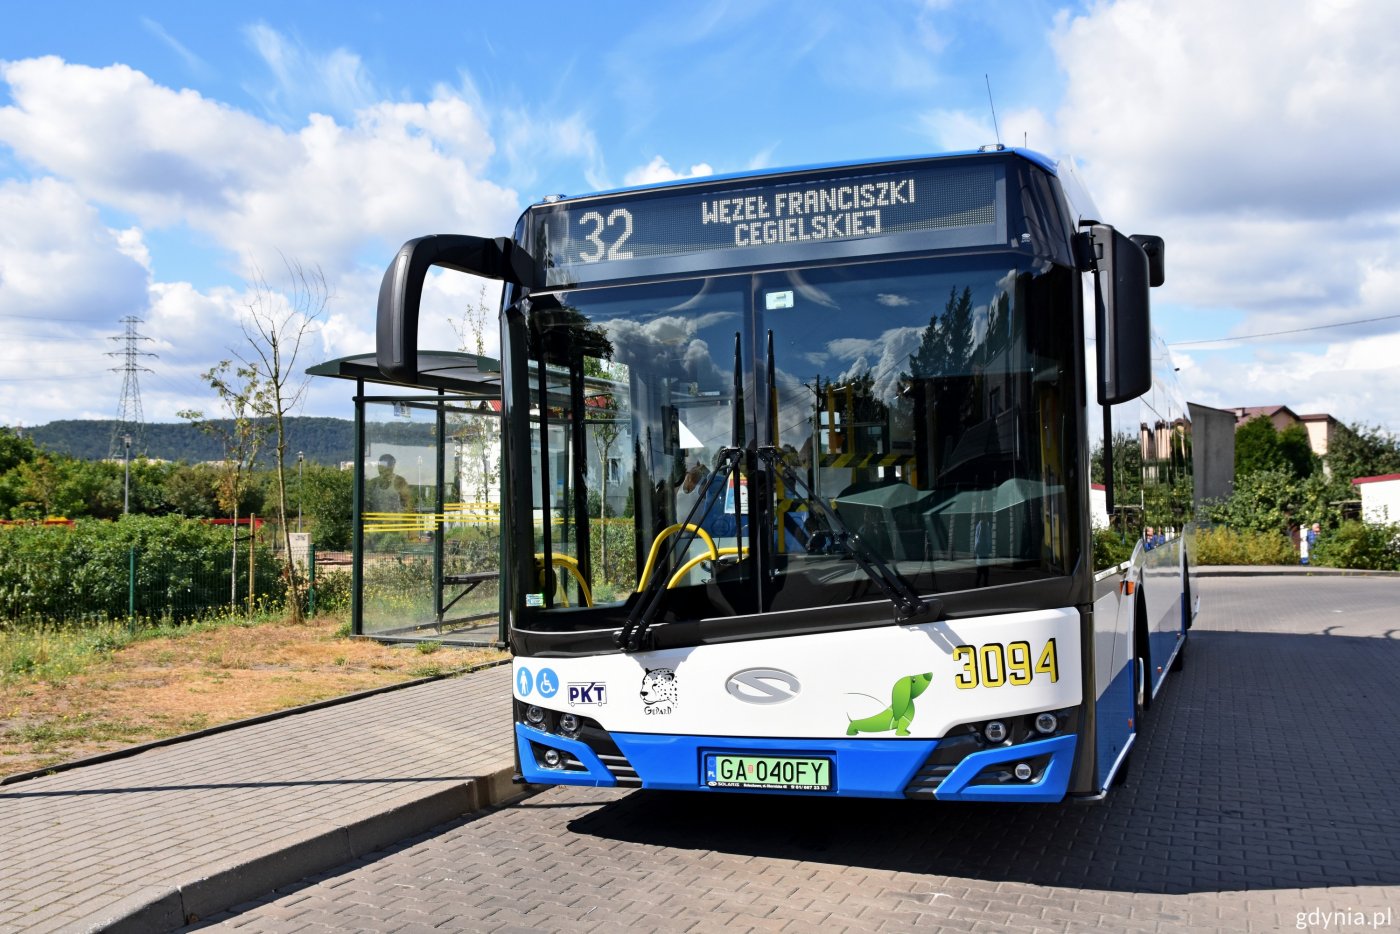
column 797, row 480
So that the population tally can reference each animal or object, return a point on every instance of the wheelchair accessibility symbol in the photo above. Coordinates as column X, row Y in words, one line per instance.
column 547, row 683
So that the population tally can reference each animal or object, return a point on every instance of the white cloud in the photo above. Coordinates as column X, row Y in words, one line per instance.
column 531, row 143
column 192, row 61
column 659, row 170
column 339, row 195
column 306, row 81
column 318, row 195
column 1265, row 148
column 59, row 261
column 1205, row 107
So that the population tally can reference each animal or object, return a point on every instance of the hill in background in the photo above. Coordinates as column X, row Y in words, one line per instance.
column 323, row 440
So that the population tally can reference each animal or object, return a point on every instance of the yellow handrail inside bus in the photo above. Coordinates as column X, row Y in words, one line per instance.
column 665, row 533
column 570, row 564
column 676, row 577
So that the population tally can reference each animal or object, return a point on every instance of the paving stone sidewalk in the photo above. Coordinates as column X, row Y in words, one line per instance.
column 180, row 832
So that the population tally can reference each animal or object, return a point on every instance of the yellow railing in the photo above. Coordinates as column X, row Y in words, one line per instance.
column 452, row 514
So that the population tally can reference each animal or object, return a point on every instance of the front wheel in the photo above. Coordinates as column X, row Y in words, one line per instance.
column 1142, row 658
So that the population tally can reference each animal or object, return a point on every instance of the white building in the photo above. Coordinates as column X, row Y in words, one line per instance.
column 1380, row 497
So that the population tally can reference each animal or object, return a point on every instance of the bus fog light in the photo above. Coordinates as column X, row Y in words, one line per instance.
column 1022, row 771
column 551, row 758
column 995, row 731
column 1047, row 723
column 568, row 724
column 534, row 714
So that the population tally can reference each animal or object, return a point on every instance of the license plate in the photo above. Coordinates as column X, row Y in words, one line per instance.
column 783, row 773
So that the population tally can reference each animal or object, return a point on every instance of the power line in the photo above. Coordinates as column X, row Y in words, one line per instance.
column 47, row 379
column 1316, row 327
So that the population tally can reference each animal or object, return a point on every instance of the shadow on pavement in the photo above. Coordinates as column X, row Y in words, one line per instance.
column 1270, row 762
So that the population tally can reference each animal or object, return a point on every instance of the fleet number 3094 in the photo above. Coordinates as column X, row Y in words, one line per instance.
column 994, row 665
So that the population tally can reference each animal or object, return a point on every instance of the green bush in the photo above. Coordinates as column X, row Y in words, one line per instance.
column 1358, row 545
column 327, row 501
column 1223, row 545
column 82, row 572
column 333, row 591
column 1111, row 548
column 621, row 565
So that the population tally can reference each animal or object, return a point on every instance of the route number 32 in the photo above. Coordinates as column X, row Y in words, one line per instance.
column 601, row 248
column 993, row 665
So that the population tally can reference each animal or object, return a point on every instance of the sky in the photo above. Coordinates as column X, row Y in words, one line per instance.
column 159, row 160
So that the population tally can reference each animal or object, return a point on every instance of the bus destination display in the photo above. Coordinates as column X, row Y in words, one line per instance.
column 647, row 225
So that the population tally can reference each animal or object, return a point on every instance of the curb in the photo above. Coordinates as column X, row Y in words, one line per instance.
column 139, row 748
column 262, row 870
column 1283, row 570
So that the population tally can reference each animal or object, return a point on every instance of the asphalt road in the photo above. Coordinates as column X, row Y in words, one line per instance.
column 1264, row 797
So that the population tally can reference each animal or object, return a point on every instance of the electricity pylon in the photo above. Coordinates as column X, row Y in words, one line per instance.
column 126, row 433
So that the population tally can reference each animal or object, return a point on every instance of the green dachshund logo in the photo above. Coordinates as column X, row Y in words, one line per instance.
column 899, row 714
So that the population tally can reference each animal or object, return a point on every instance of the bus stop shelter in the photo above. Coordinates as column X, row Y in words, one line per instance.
column 427, row 536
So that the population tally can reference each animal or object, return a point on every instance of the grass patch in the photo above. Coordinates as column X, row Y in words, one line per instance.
column 68, row 692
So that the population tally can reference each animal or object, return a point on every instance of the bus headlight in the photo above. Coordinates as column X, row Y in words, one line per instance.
column 1022, row 771
column 568, row 725
column 534, row 714
column 995, row 731
column 551, row 758
column 1047, row 723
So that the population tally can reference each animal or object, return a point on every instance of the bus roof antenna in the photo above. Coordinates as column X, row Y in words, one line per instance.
column 995, row 129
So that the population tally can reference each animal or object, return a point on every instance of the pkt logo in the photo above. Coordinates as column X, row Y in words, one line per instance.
column 588, row 692
column 763, row 685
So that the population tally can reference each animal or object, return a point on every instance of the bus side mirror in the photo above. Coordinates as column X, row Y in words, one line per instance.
column 1122, row 274
column 1155, row 248
column 401, row 290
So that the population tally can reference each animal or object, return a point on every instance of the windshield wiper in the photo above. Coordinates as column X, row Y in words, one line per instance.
column 648, row 605
column 907, row 602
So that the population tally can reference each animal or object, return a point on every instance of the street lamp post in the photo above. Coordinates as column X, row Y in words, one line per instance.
column 301, row 473
column 126, row 484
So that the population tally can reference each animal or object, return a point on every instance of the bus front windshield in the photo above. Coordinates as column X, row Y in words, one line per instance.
column 741, row 442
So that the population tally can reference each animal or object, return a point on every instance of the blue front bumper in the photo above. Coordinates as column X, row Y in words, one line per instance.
column 864, row 768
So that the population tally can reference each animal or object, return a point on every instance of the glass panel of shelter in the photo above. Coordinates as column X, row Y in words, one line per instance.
column 429, row 549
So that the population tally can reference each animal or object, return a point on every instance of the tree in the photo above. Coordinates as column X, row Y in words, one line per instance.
column 1295, row 451
column 1127, row 474
column 241, row 435
column 193, row 492
column 327, row 497
column 1259, row 446
column 604, row 420
column 1362, row 451
column 274, row 327
column 478, row 433
column 15, row 449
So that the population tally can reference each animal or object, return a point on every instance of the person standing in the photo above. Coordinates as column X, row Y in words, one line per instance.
column 388, row 492
column 1307, row 539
